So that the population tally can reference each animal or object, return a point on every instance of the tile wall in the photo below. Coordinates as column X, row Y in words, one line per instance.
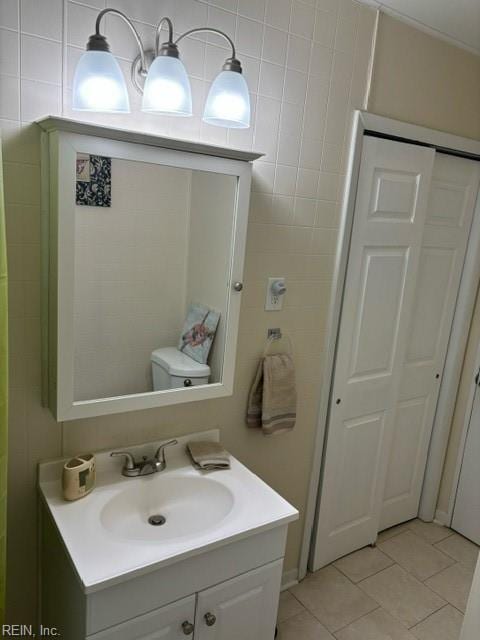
column 306, row 63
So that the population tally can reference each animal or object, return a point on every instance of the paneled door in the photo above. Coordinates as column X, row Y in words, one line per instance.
column 390, row 212
column 244, row 608
column 445, row 237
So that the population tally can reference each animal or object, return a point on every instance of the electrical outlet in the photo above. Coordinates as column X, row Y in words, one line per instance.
column 275, row 294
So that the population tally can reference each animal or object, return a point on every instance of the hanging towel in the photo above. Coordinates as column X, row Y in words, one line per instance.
column 207, row 455
column 272, row 402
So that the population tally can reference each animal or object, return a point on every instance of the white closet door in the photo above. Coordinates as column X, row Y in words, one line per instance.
column 449, row 216
column 390, row 211
column 466, row 513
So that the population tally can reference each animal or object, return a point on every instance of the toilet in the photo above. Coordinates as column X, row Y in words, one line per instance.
column 172, row 369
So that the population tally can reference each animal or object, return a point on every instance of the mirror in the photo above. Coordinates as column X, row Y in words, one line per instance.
column 153, row 251
column 143, row 252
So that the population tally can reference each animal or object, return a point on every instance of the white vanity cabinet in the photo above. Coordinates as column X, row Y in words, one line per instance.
column 228, row 593
column 243, row 608
column 221, row 582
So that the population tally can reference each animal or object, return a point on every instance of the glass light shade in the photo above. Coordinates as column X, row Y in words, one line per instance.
column 99, row 85
column 167, row 88
column 228, row 101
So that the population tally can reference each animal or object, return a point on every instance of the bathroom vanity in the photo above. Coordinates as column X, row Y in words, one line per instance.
column 211, row 571
column 143, row 246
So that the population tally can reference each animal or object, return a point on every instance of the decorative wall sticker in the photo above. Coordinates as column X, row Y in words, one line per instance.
column 93, row 180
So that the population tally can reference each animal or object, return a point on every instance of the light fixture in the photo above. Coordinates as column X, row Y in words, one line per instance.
column 167, row 87
column 99, row 84
column 228, row 101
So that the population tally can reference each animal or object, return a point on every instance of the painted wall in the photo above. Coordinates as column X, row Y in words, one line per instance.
column 306, row 63
column 130, row 278
column 425, row 80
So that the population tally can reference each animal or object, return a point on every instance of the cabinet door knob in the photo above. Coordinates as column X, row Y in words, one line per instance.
column 238, row 286
column 187, row 628
column 210, row 619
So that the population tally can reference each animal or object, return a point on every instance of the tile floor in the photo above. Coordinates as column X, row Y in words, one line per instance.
column 413, row 586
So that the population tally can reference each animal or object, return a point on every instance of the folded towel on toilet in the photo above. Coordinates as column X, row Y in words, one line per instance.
column 272, row 402
column 207, row 455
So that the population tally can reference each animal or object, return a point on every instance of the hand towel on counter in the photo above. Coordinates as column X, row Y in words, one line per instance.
column 272, row 402
column 207, row 455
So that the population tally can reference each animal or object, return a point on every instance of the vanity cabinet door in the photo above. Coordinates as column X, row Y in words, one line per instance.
column 242, row 608
column 162, row 624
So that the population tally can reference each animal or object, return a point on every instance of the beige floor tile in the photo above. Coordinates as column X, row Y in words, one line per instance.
column 288, row 606
column 430, row 531
column 378, row 625
column 445, row 624
column 386, row 534
column 453, row 584
column 415, row 555
column 460, row 549
column 332, row 598
column 402, row 595
column 363, row 563
column 303, row 626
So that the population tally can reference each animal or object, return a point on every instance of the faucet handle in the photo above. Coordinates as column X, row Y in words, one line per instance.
column 160, row 454
column 129, row 460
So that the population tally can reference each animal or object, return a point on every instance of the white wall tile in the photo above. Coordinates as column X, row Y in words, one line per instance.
column 298, row 56
column 295, row 86
column 9, row 13
column 303, row 19
column 39, row 99
column 252, row 9
column 274, row 45
column 9, row 98
column 285, row 180
column 249, row 37
column 80, row 23
column 325, row 24
column 42, row 18
column 223, row 20
column 278, row 13
column 291, row 119
column 41, row 59
column 9, row 52
column 271, row 80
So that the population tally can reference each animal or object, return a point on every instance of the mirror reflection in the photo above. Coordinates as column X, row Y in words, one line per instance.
column 152, row 267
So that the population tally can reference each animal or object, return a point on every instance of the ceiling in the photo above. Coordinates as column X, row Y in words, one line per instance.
column 458, row 20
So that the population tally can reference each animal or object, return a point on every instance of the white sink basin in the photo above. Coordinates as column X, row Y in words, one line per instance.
column 107, row 533
column 189, row 506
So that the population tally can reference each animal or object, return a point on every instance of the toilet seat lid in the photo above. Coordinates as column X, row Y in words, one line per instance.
column 177, row 363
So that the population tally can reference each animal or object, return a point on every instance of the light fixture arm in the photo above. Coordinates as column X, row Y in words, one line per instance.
column 231, row 64
column 143, row 61
column 169, row 24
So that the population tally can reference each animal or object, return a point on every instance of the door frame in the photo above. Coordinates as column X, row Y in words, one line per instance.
column 363, row 123
column 463, row 438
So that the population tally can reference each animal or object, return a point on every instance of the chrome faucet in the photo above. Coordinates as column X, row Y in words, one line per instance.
column 145, row 466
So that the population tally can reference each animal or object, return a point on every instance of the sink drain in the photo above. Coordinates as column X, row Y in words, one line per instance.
column 157, row 520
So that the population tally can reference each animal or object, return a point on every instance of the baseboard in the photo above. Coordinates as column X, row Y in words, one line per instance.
column 289, row 579
column 441, row 517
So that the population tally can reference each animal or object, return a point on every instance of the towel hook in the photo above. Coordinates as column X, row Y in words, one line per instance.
column 273, row 336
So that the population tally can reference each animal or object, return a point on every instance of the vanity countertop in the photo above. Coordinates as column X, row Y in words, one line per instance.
column 107, row 535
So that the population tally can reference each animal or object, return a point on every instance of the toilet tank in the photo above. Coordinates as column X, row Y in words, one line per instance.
column 172, row 369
